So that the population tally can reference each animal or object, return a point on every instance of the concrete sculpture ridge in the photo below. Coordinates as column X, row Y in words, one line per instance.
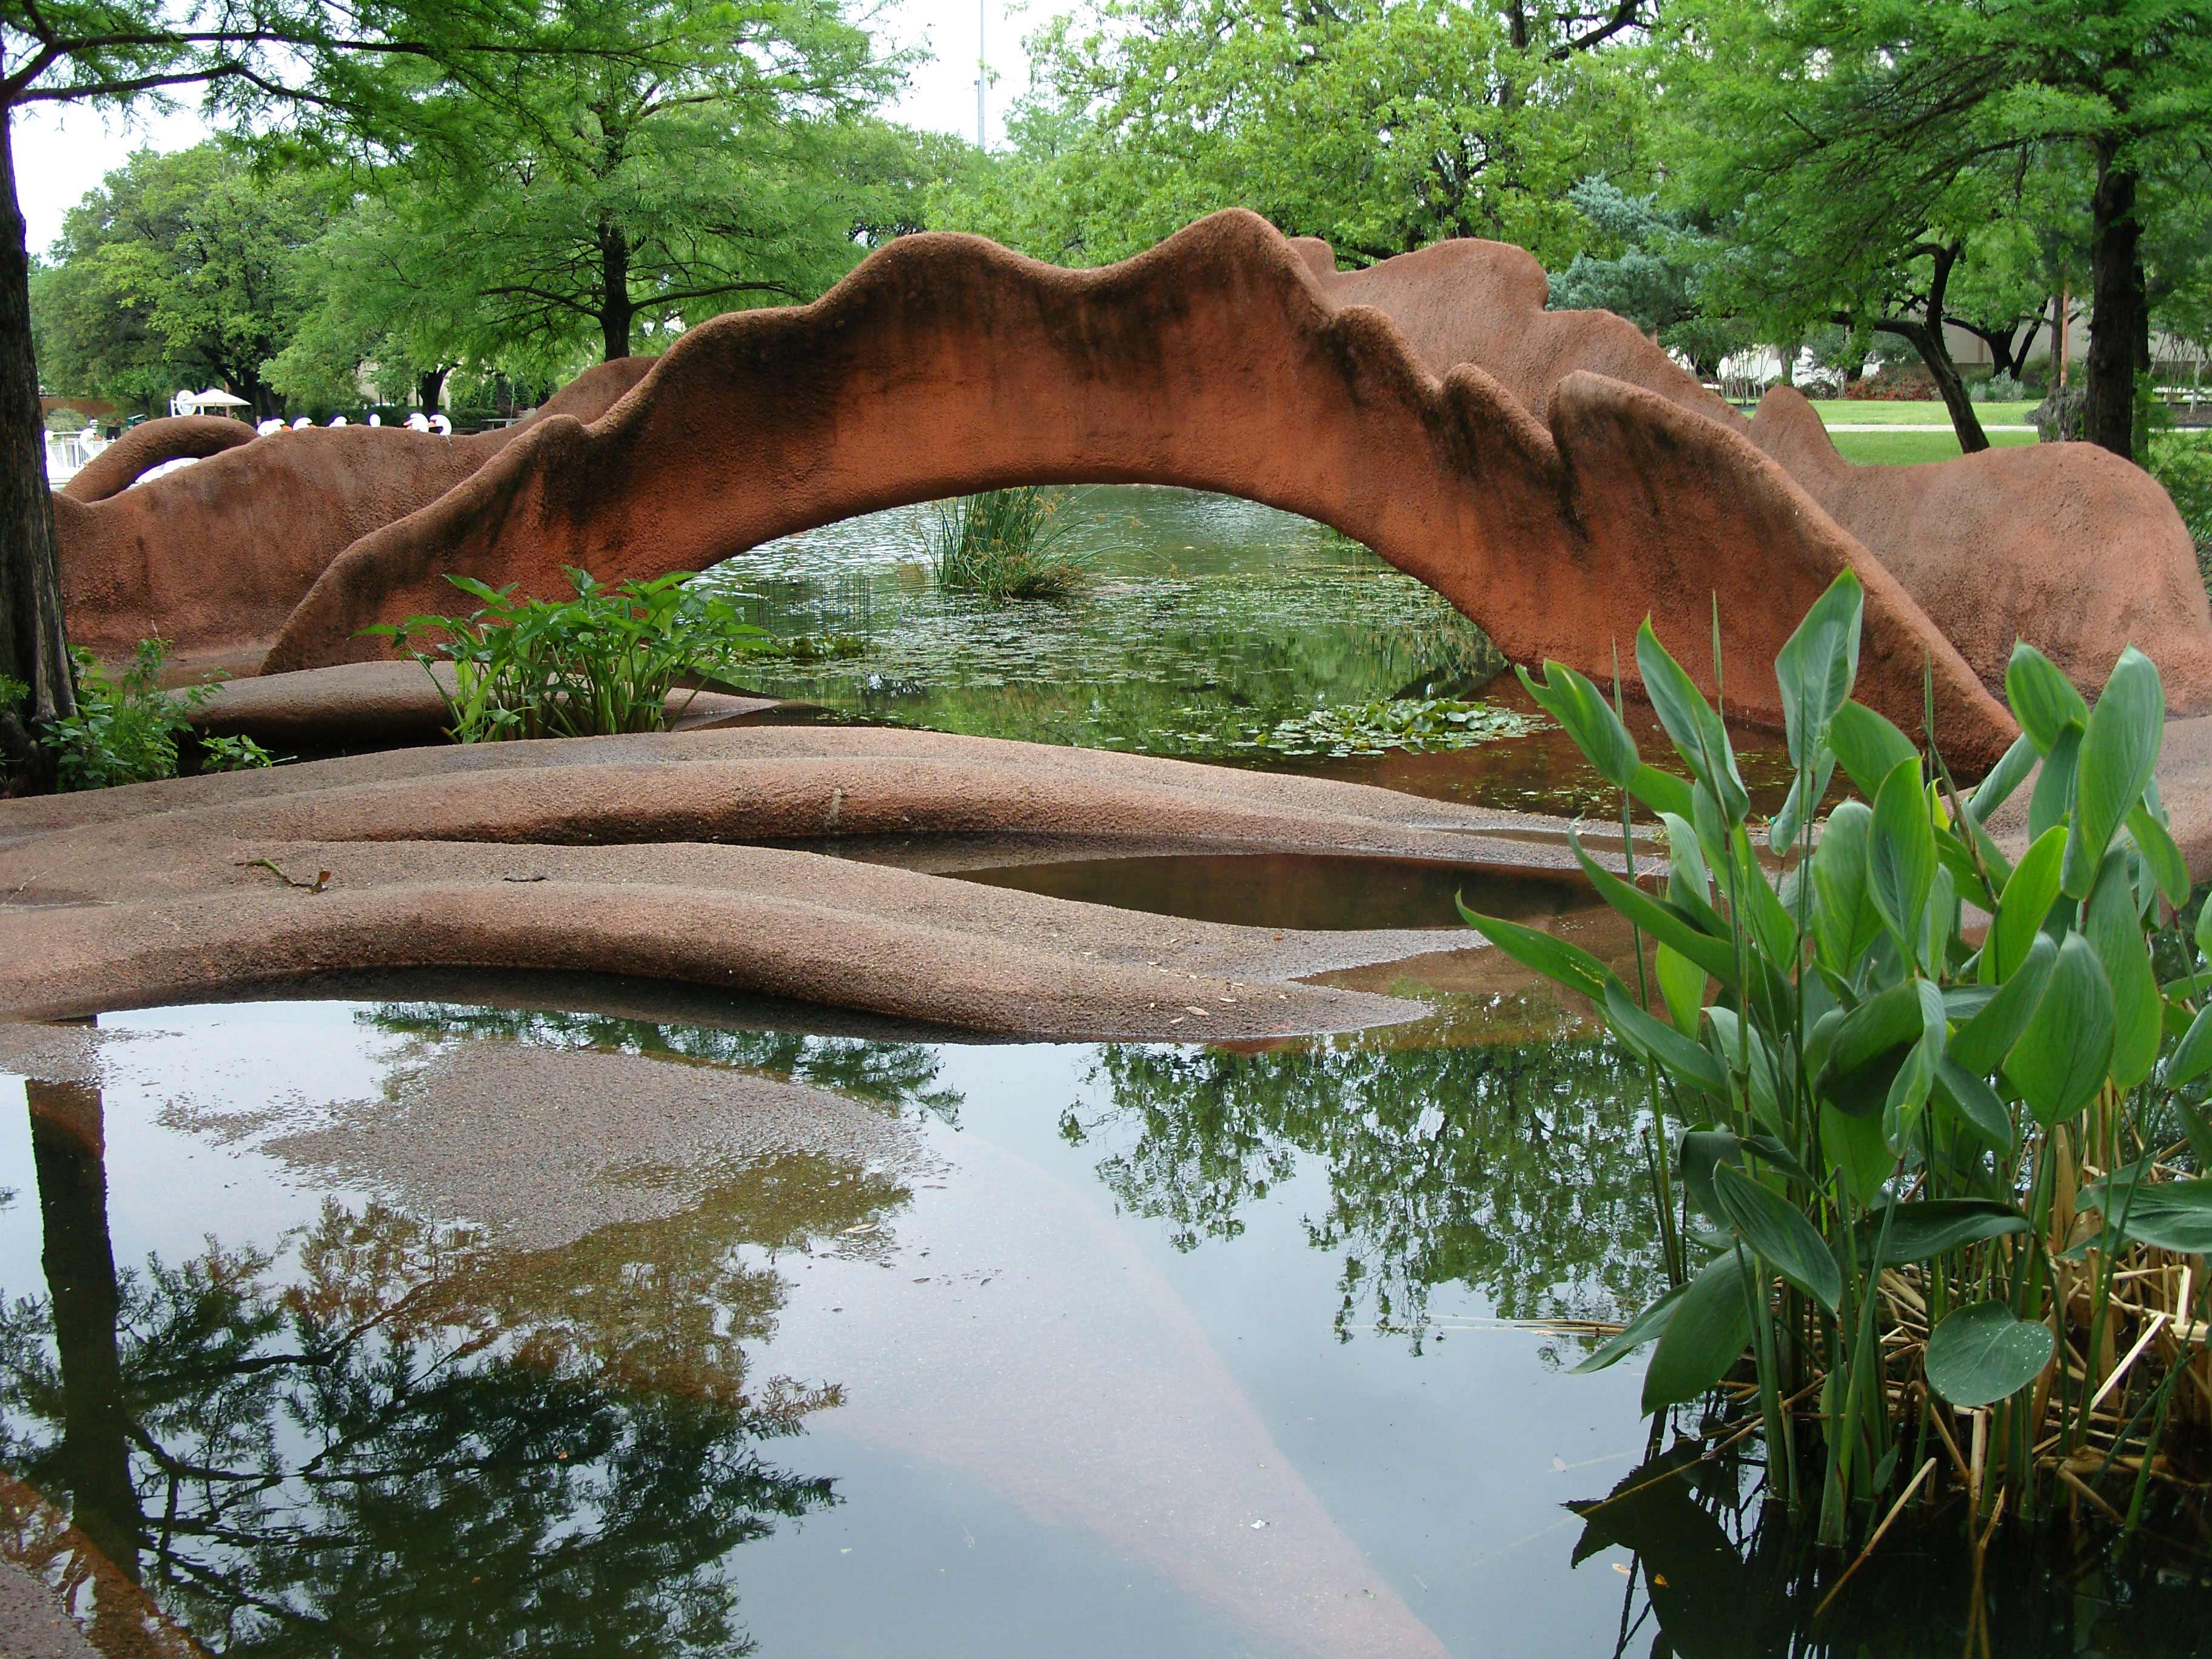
column 627, row 855
column 1551, row 473
column 214, row 557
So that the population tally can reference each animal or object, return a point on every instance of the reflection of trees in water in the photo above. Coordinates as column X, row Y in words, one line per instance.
column 901, row 1074
column 1518, row 1171
column 414, row 1440
column 1716, row 1577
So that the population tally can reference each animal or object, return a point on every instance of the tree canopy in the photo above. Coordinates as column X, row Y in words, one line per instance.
column 185, row 269
column 1382, row 127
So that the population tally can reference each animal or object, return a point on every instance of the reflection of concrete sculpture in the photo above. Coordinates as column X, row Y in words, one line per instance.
column 1560, row 480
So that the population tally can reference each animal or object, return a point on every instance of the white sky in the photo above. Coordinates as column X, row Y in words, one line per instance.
column 60, row 155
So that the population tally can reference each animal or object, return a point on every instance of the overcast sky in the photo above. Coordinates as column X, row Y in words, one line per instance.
column 61, row 155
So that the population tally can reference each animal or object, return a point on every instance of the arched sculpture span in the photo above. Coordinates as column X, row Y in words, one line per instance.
column 1553, row 474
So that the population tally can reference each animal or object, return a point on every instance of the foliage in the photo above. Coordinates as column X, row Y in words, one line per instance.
column 1653, row 279
column 1905, row 162
column 1495, row 1164
column 1998, row 389
column 2182, row 461
column 1890, row 1139
column 631, row 197
column 1380, row 127
column 126, row 729
column 602, row 663
column 1000, row 545
column 185, row 270
column 1423, row 724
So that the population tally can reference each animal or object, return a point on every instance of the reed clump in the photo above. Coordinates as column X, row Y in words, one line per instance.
column 602, row 663
column 1002, row 545
column 1933, row 1198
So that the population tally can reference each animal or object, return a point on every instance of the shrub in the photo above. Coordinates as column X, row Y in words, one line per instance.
column 127, row 729
column 1999, row 389
column 601, row 662
column 2182, row 461
column 1913, row 1171
column 1000, row 545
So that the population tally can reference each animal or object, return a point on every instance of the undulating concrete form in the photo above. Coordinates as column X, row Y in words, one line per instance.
column 1553, row 474
column 213, row 557
column 644, row 856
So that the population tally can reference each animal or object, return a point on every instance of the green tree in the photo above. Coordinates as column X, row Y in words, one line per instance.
column 1654, row 280
column 179, row 269
column 1380, row 127
column 320, row 70
column 1869, row 148
column 629, row 200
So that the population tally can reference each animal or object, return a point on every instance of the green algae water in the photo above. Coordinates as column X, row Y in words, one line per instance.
column 443, row 1328
column 1208, row 629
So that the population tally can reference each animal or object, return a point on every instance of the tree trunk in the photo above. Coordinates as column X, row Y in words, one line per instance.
column 1926, row 337
column 68, row 1150
column 33, row 649
column 2108, row 408
column 616, row 311
column 429, row 389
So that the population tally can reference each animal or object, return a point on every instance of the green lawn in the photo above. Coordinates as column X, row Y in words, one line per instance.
column 1905, row 448
column 1849, row 412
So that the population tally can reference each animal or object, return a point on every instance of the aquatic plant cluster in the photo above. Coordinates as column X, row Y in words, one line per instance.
column 1002, row 545
column 602, row 663
column 1421, row 724
column 1943, row 1190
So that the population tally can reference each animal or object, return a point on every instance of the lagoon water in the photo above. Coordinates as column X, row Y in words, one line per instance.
column 438, row 1318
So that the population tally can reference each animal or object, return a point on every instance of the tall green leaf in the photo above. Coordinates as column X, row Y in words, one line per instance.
column 2114, row 930
column 1901, row 855
column 1984, row 1040
column 2044, row 701
column 1844, row 920
column 2026, row 899
column 2062, row 1058
column 1772, row 1227
column 1815, row 667
column 1695, row 731
column 1580, row 707
column 2053, row 799
column 1870, row 747
column 1555, row 958
column 1705, row 1337
column 2119, row 757
column 1982, row 1353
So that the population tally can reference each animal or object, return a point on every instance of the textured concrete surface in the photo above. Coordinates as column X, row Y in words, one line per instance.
column 33, row 1624
column 213, row 557
column 1552, row 473
column 1217, row 360
column 614, row 856
column 2019, row 543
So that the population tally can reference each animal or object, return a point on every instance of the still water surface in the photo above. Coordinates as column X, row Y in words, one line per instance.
column 1206, row 623
column 415, row 1326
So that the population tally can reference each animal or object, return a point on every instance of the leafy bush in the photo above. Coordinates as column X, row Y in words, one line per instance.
column 127, row 730
column 2182, row 461
column 602, row 663
column 1944, row 1186
column 1000, row 545
column 1999, row 389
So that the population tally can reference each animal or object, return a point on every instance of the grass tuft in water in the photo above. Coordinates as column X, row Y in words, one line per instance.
column 1000, row 545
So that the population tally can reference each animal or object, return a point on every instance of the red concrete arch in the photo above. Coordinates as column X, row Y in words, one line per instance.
column 946, row 364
